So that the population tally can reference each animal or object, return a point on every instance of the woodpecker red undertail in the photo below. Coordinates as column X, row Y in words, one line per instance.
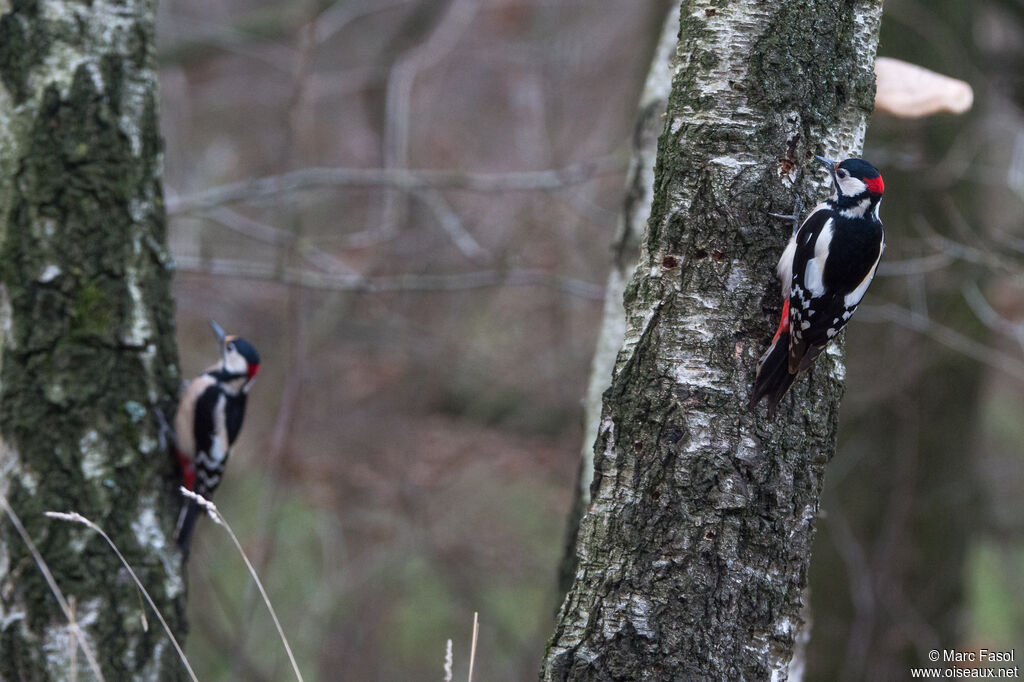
column 825, row 270
column 208, row 421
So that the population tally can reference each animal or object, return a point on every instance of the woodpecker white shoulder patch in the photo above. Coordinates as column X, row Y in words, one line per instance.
column 815, row 270
column 185, row 416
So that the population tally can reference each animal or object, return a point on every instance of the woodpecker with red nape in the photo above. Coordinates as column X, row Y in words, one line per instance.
column 208, row 420
column 825, row 270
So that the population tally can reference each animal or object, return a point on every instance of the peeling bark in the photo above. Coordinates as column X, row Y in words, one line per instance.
column 86, row 338
column 693, row 555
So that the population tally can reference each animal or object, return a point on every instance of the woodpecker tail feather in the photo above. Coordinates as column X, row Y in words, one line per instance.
column 773, row 375
column 186, row 524
column 810, row 355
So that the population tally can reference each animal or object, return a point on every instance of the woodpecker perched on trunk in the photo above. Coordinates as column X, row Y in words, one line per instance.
column 208, row 420
column 825, row 270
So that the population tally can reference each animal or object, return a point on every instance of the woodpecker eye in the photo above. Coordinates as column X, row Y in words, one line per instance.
column 231, row 347
column 842, row 173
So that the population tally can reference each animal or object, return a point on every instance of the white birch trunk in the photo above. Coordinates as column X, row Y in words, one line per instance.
column 693, row 555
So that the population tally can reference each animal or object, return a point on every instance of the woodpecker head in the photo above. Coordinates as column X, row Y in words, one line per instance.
column 854, row 180
column 238, row 357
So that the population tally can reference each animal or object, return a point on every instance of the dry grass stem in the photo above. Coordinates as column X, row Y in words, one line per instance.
column 75, row 517
column 64, row 606
column 211, row 509
column 472, row 648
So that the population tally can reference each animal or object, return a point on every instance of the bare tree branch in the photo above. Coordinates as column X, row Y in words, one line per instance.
column 397, row 105
column 452, row 225
column 407, row 180
column 479, row 279
column 891, row 312
column 988, row 316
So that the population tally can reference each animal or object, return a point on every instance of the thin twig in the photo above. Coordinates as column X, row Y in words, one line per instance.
column 214, row 514
column 340, row 14
column 862, row 595
column 478, row 279
column 75, row 517
column 45, row 570
column 400, row 178
column 988, row 258
column 448, row 661
column 442, row 38
column 948, row 337
column 73, row 653
column 914, row 266
column 451, row 223
column 988, row 316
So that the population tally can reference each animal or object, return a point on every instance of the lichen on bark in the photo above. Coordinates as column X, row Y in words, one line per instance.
column 693, row 555
column 86, row 337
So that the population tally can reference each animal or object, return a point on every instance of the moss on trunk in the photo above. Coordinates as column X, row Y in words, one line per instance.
column 87, row 338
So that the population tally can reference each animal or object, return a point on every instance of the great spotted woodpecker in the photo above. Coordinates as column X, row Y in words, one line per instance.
column 825, row 270
column 208, row 420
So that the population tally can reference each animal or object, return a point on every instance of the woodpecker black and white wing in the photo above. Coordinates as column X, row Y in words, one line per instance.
column 212, row 444
column 774, row 377
column 185, row 417
column 831, row 273
column 234, row 415
column 805, row 235
column 209, row 435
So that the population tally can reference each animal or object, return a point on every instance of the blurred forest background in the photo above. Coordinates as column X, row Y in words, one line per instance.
column 421, row 264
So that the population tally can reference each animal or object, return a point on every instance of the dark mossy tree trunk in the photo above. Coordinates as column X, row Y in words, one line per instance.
column 693, row 554
column 87, row 349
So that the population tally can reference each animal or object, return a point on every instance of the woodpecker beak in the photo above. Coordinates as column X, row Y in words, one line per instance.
column 218, row 330
column 831, row 165
column 221, row 338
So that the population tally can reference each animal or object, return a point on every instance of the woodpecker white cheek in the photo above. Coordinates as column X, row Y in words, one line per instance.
column 851, row 187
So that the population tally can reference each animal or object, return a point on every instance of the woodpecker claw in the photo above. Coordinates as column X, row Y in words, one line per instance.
column 165, row 434
column 798, row 207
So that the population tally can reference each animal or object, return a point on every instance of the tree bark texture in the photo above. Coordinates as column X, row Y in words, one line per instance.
column 694, row 552
column 636, row 207
column 86, row 340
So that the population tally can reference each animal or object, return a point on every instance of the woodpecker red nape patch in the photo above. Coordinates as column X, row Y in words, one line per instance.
column 875, row 185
